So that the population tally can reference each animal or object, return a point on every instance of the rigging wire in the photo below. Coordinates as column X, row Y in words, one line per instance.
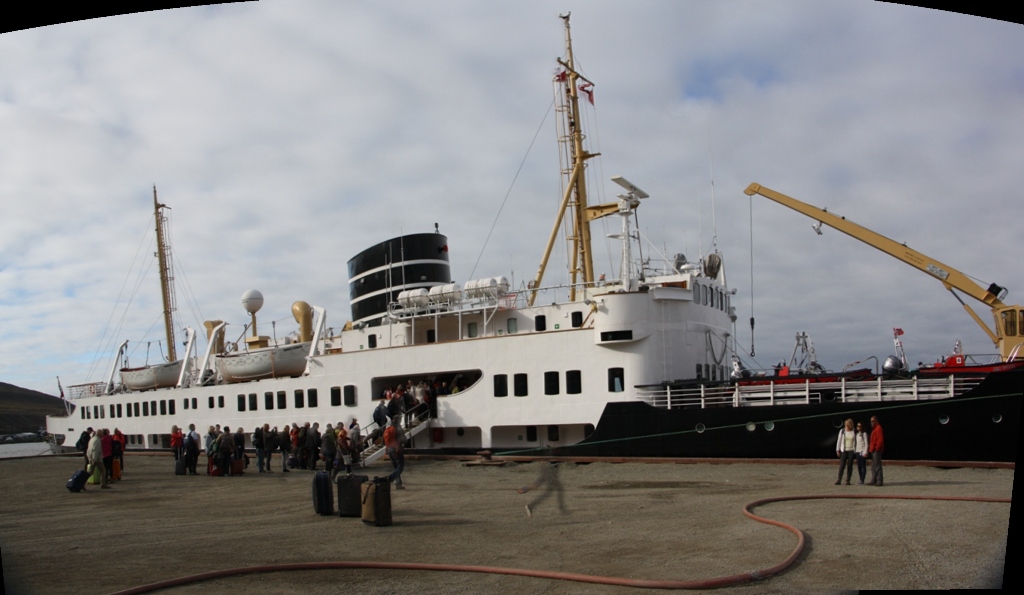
column 751, row 209
column 509, row 191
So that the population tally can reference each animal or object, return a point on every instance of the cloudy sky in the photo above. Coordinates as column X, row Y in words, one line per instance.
column 289, row 135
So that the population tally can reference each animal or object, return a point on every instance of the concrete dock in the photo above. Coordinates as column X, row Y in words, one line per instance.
column 631, row 520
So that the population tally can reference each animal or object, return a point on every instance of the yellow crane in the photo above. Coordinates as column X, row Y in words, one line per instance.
column 1008, row 336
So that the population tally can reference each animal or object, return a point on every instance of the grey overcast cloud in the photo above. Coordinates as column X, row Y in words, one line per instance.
column 287, row 136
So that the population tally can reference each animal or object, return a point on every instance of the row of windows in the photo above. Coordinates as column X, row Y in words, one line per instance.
column 308, row 398
column 552, row 384
column 540, row 323
column 709, row 296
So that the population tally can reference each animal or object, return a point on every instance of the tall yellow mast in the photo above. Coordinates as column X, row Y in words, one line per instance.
column 163, row 251
column 575, row 197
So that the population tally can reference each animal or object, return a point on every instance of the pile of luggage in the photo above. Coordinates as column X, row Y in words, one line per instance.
column 358, row 496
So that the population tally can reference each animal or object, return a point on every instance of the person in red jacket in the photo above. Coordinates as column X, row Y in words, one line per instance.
column 876, row 445
column 177, row 441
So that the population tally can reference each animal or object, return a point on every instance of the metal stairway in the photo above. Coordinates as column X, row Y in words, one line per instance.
column 419, row 422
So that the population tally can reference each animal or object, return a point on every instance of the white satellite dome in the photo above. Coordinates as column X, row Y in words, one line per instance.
column 252, row 301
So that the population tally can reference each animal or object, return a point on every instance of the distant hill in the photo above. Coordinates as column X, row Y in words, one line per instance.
column 25, row 410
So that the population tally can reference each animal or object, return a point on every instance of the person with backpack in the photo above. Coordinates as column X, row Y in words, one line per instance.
column 284, row 440
column 191, row 449
column 83, row 445
column 393, row 440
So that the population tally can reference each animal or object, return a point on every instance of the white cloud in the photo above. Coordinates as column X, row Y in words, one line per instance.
column 288, row 136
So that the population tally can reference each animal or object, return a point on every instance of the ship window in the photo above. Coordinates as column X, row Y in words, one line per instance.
column 711, row 297
column 431, row 336
column 145, row 408
column 714, row 373
column 103, row 411
column 82, row 412
column 1010, row 323
column 152, row 407
column 241, row 402
column 617, row 336
column 170, row 406
column 184, row 402
column 211, row 403
column 531, row 433
column 350, row 395
column 512, row 325
column 616, row 380
column 195, row 402
column 573, row 382
column 299, row 399
column 704, row 295
column 282, row 399
column 501, row 385
column 699, row 375
column 577, row 319
column 707, row 371
column 268, row 400
column 551, row 383
column 471, row 330
column 335, row 396
column 311, row 397
column 371, row 341
column 552, row 433
column 519, row 385
column 540, row 323
column 253, row 398
column 696, row 293
column 136, row 410
column 220, row 402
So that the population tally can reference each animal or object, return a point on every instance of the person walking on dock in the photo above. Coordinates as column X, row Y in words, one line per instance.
column 846, row 450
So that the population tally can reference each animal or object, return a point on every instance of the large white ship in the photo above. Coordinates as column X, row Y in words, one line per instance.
column 641, row 365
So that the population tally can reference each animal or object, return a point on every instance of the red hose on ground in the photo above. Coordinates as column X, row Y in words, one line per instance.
column 722, row 581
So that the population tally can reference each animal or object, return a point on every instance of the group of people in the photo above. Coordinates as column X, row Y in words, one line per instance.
column 103, row 450
column 855, row 444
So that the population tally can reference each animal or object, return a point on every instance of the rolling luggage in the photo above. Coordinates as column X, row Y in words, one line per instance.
column 350, row 501
column 237, row 466
column 376, row 502
column 323, row 493
column 179, row 466
column 77, row 481
column 115, row 471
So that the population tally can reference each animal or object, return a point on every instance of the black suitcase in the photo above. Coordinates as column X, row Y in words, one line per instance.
column 323, row 493
column 77, row 481
column 376, row 502
column 179, row 466
column 350, row 499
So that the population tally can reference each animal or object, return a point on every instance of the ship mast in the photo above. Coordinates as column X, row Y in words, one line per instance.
column 163, row 251
column 575, row 198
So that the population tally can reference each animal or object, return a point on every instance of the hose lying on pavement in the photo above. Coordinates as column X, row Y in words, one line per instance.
column 722, row 581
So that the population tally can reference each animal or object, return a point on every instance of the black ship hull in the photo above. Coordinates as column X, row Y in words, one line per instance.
column 980, row 425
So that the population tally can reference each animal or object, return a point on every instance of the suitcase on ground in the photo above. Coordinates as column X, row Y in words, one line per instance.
column 237, row 466
column 376, row 502
column 94, row 477
column 323, row 493
column 350, row 498
column 292, row 462
column 179, row 466
column 115, row 472
column 77, row 481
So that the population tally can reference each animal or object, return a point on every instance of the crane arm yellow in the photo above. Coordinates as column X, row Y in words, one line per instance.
column 949, row 276
column 1009, row 320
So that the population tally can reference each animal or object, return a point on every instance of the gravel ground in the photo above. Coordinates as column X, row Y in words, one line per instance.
column 632, row 520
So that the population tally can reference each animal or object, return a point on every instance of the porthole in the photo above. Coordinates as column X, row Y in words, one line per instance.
column 751, row 426
column 837, row 423
column 700, row 428
column 769, row 425
column 943, row 419
column 460, row 431
column 996, row 418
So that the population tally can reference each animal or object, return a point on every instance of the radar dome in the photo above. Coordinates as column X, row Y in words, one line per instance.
column 252, row 301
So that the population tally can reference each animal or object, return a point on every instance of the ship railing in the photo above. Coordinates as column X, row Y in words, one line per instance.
column 90, row 389
column 416, row 420
column 771, row 393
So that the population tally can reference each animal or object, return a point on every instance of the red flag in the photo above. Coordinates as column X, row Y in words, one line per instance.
column 561, row 75
column 588, row 90
column 897, row 331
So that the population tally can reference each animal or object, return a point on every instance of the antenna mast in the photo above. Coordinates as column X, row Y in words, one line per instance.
column 575, row 197
column 163, row 252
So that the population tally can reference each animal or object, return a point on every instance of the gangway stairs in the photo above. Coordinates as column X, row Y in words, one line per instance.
column 419, row 422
